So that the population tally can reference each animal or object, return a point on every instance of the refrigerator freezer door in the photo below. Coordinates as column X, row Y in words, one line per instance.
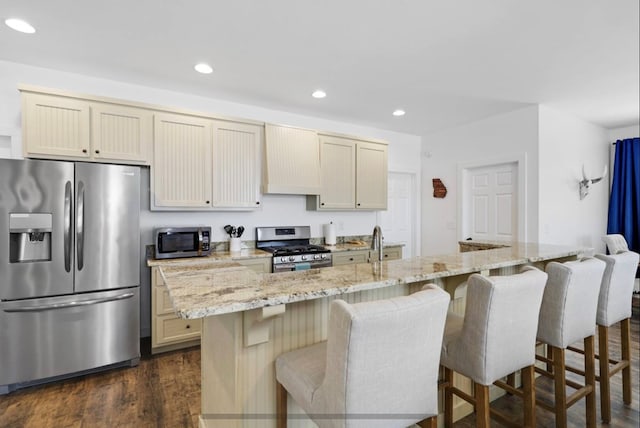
column 35, row 228
column 57, row 336
column 107, row 222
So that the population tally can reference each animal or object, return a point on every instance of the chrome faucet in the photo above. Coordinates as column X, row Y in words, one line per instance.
column 376, row 242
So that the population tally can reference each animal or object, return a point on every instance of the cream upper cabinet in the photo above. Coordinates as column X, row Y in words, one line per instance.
column 54, row 126
column 338, row 173
column 354, row 175
column 371, row 176
column 205, row 164
column 121, row 133
column 292, row 161
column 65, row 127
column 181, row 168
column 236, row 165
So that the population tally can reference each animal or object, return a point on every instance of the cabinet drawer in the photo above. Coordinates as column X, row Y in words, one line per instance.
column 171, row 329
column 350, row 257
column 392, row 253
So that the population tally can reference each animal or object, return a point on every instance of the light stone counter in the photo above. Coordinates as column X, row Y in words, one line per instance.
column 210, row 260
column 352, row 246
column 221, row 286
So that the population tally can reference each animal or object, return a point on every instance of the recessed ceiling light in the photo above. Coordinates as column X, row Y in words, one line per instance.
column 319, row 94
column 398, row 112
column 203, row 68
column 20, row 25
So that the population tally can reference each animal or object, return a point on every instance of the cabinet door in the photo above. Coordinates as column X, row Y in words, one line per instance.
column 120, row 133
column 55, row 126
column 337, row 166
column 182, row 161
column 292, row 160
column 236, row 165
column 371, row 176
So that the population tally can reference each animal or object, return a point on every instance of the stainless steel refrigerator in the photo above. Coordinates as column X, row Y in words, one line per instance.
column 69, row 269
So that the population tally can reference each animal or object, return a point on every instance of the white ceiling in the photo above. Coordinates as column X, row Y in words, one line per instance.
column 444, row 62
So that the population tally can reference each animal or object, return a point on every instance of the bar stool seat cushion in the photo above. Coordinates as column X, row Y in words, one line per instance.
column 616, row 243
column 308, row 365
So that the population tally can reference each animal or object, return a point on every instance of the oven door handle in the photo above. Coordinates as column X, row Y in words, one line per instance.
column 71, row 304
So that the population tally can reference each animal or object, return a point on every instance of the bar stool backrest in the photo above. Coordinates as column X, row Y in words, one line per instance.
column 383, row 356
column 500, row 323
column 570, row 301
column 616, row 290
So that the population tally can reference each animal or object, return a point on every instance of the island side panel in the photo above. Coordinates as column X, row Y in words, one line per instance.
column 238, row 382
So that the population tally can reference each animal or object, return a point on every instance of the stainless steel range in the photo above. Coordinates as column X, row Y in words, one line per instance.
column 291, row 249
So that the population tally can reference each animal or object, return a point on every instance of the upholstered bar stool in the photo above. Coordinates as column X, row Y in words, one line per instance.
column 378, row 367
column 614, row 306
column 495, row 338
column 567, row 315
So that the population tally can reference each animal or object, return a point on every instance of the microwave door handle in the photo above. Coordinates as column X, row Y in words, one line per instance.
column 68, row 196
column 80, row 226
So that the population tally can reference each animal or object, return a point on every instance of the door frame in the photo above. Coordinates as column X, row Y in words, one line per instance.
column 463, row 171
column 415, row 204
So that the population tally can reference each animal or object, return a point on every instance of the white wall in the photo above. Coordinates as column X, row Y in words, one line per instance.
column 506, row 135
column 624, row 132
column 404, row 155
column 566, row 143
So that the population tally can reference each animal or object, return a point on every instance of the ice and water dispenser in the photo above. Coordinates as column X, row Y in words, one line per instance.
column 29, row 237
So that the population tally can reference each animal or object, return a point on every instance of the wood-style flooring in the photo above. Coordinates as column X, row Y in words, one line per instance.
column 164, row 391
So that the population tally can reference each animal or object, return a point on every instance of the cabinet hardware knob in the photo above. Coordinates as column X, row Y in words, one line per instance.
column 97, row 152
column 188, row 326
column 257, row 202
column 358, row 204
column 322, row 204
column 84, row 150
column 350, row 259
column 206, row 202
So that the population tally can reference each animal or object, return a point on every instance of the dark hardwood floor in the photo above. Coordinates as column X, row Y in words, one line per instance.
column 164, row 391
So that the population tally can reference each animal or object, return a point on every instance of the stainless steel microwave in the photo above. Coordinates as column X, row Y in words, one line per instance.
column 174, row 242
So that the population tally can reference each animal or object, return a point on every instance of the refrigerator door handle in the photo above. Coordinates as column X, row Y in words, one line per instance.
column 71, row 304
column 80, row 225
column 67, row 225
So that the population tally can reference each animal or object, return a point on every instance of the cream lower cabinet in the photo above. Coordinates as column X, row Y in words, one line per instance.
column 168, row 332
column 363, row 256
column 258, row 265
column 354, row 175
column 205, row 164
column 69, row 128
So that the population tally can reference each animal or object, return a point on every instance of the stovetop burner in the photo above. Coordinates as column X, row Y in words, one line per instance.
column 289, row 250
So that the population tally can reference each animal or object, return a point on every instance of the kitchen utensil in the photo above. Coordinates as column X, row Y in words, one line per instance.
column 240, row 231
column 228, row 228
column 234, row 233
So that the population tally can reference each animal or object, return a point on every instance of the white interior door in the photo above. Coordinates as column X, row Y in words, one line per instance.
column 490, row 209
column 398, row 221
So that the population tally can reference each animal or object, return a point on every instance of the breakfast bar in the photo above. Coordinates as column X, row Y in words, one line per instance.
column 250, row 318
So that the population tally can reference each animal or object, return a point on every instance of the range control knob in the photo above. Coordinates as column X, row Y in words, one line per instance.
column 283, row 259
column 323, row 256
column 303, row 257
column 316, row 257
column 291, row 258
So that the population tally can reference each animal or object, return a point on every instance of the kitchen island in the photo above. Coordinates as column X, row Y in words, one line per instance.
column 250, row 318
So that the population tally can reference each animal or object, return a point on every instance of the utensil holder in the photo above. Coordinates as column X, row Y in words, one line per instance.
column 235, row 245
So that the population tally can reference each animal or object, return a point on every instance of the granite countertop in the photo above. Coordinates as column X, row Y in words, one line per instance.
column 213, row 259
column 200, row 290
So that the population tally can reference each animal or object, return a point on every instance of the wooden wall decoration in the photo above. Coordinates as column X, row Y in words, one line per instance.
column 439, row 191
